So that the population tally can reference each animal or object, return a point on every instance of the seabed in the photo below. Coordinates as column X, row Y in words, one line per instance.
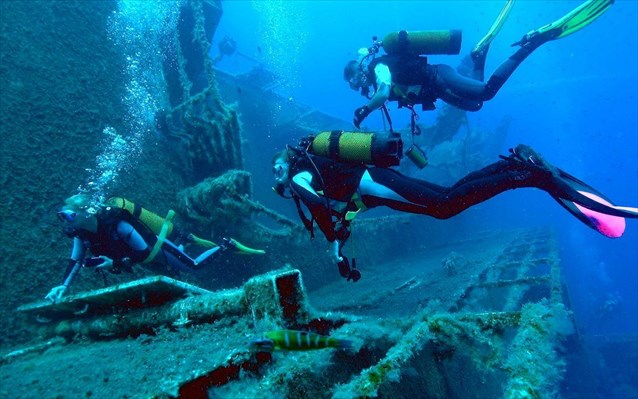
column 477, row 318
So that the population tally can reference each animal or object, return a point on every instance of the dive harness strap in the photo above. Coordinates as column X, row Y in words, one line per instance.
column 384, row 108
column 308, row 223
column 161, row 237
column 359, row 205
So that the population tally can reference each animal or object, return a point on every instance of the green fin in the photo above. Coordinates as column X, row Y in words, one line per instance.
column 202, row 242
column 572, row 22
column 495, row 28
column 246, row 250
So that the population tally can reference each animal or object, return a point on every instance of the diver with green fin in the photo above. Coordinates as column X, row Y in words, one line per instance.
column 337, row 175
column 404, row 74
column 120, row 233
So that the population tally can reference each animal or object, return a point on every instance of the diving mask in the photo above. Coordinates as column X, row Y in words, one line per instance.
column 358, row 81
column 67, row 215
column 280, row 170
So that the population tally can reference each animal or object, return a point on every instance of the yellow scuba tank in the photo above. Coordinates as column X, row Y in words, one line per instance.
column 355, row 147
column 149, row 219
column 423, row 42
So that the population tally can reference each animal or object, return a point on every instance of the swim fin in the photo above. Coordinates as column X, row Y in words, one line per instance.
column 590, row 206
column 481, row 47
column 586, row 203
column 571, row 22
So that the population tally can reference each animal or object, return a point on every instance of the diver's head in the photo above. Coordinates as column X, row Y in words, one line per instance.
column 78, row 215
column 354, row 71
column 280, row 168
column 355, row 77
column 350, row 70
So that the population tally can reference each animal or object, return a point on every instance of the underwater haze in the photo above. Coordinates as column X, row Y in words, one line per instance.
column 574, row 100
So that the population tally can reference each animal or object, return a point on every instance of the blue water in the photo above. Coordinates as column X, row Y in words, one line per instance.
column 574, row 100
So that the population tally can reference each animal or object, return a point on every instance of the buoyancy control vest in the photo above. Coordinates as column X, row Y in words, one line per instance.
column 408, row 71
column 159, row 226
column 105, row 242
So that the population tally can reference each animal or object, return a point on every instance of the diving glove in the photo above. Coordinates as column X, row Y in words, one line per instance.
column 56, row 293
column 349, row 273
column 360, row 114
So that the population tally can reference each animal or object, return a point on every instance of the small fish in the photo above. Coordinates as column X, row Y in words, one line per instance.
column 259, row 49
column 293, row 340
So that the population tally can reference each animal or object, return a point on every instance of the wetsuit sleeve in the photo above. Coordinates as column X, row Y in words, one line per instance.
column 77, row 255
column 139, row 247
column 317, row 205
column 383, row 83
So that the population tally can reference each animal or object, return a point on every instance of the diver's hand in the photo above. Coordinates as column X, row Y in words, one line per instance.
column 360, row 114
column 348, row 272
column 336, row 252
column 56, row 293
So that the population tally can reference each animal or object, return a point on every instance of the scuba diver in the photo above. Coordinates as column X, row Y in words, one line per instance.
column 227, row 47
column 120, row 233
column 404, row 74
column 338, row 174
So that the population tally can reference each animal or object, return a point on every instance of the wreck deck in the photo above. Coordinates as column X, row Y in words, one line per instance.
column 474, row 308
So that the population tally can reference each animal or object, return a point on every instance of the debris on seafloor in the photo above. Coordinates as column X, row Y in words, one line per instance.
column 452, row 262
column 503, row 342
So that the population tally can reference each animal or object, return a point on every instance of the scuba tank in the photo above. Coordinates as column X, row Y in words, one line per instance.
column 355, row 147
column 154, row 222
column 423, row 42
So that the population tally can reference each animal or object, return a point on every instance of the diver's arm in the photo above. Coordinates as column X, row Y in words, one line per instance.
column 381, row 95
column 75, row 262
column 300, row 185
column 384, row 81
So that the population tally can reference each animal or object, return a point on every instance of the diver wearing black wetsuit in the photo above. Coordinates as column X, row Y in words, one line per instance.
column 334, row 191
column 116, row 239
column 409, row 79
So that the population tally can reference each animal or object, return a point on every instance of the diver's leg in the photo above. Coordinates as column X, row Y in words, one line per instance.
column 479, row 53
column 524, row 168
column 206, row 255
column 507, row 68
column 177, row 258
column 457, row 90
column 559, row 183
column 386, row 187
column 572, row 22
column 469, row 94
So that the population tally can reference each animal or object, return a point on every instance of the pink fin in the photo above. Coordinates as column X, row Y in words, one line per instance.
column 610, row 226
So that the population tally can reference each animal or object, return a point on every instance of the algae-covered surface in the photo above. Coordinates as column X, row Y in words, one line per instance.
column 144, row 367
column 397, row 319
column 136, row 99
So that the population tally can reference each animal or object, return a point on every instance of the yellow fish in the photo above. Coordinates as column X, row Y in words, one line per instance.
column 293, row 340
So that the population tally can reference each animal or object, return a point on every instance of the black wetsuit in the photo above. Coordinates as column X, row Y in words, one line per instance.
column 341, row 183
column 133, row 244
column 107, row 242
column 442, row 81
